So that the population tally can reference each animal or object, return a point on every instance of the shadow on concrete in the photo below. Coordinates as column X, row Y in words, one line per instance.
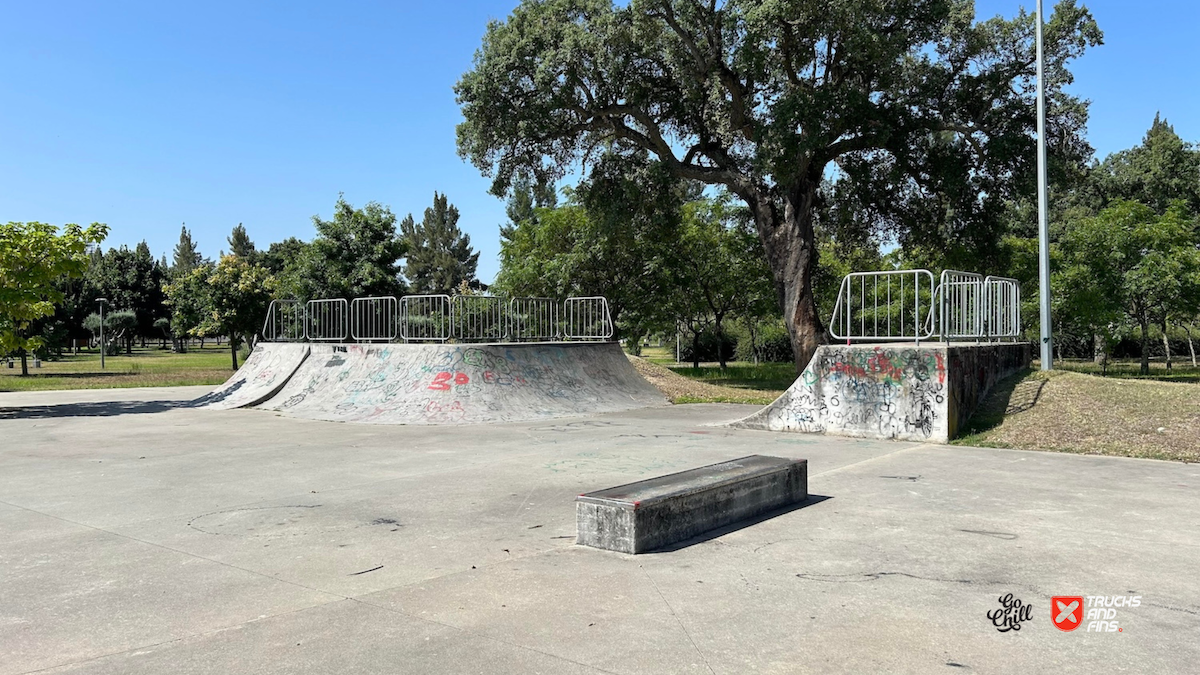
column 812, row 500
column 89, row 409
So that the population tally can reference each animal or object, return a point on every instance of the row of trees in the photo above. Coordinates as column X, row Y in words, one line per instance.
column 358, row 252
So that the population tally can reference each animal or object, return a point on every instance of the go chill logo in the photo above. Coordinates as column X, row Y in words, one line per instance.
column 1097, row 612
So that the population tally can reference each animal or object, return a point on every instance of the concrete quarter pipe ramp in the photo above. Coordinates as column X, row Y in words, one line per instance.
column 263, row 374
column 905, row 392
column 462, row 383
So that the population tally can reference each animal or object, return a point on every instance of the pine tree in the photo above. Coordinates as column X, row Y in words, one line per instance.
column 186, row 255
column 240, row 244
column 439, row 254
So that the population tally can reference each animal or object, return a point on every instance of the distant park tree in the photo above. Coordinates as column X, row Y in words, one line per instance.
column 33, row 256
column 355, row 254
column 122, row 325
column 239, row 294
column 240, row 244
column 187, row 256
column 440, row 257
column 611, row 238
column 188, row 296
column 1160, row 172
column 920, row 106
column 1131, row 264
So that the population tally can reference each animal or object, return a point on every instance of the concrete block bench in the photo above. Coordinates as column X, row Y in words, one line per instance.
column 660, row 511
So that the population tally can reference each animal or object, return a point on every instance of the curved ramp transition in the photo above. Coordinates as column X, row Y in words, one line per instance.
column 462, row 384
column 263, row 374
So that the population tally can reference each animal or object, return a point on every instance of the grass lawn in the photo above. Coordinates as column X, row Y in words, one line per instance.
column 149, row 367
column 1074, row 412
column 1182, row 370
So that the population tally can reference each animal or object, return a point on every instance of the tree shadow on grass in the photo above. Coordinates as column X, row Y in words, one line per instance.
column 89, row 409
column 1010, row 396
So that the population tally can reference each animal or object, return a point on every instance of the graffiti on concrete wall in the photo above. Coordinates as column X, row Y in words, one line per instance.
column 889, row 392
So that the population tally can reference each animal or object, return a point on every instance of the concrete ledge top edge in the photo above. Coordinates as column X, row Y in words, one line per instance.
column 683, row 483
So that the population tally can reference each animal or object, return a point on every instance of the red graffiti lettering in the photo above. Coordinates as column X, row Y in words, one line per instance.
column 442, row 381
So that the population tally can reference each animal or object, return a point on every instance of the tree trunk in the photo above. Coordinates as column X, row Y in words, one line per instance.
column 1099, row 350
column 233, row 352
column 1166, row 344
column 696, row 349
column 791, row 250
column 720, row 331
column 1145, row 326
column 1191, row 347
column 24, row 363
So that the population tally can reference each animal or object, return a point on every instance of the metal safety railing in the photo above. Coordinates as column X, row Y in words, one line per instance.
column 438, row 318
column 533, row 319
column 373, row 319
column 325, row 320
column 425, row 318
column 479, row 318
column 587, row 319
column 285, row 321
column 891, row 306
column 1002, row 298
column 905, row 305
column 961, row 305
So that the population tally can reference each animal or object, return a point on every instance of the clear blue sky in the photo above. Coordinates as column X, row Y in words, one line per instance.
column 148, row 115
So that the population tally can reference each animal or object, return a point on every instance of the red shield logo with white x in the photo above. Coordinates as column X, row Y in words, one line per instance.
column 1066, row 611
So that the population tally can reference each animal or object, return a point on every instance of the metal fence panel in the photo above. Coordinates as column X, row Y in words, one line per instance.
column 425, row 318
column 885, row 306
column 285, row 321
column 533, row 318
column 587, row 319
column 373, row 319
column 326, row 320
column 1003, row 301
column 479, row 318
column 962, row 305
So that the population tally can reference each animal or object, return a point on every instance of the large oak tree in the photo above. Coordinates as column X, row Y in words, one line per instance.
column 928, row 112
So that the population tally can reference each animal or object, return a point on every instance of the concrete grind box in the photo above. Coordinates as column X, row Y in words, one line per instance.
column 658, row 512
column 903, row 392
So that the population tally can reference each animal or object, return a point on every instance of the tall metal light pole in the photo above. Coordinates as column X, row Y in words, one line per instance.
column 1043, row 199
column 101, row 301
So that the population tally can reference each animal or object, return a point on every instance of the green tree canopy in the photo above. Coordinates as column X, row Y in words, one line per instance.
column 33, row 256
column 356, row 254
column 240, row 244
column 440, row 257
column 1131, row 265
column 1159, row 172
column 187, row 256
column 913, row 101
column 238, row 297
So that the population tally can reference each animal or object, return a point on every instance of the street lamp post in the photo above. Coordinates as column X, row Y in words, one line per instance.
column 1043, row 199
column 101, row 301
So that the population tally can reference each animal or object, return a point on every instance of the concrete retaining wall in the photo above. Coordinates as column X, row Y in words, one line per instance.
column 904, row 392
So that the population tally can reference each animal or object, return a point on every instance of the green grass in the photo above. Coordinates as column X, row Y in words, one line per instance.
column 149, row 367
column 1181, row 371
column 764, row 376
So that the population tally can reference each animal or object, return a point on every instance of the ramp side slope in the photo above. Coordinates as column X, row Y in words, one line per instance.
column 462, row 384
column 263, row 374
column 902, row 392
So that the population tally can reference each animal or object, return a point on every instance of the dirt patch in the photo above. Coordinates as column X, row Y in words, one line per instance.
column 680, row 389
column 1072, row 412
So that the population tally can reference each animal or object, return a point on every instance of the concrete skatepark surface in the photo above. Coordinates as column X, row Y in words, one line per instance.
column 457, row 384
column 143, row 536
